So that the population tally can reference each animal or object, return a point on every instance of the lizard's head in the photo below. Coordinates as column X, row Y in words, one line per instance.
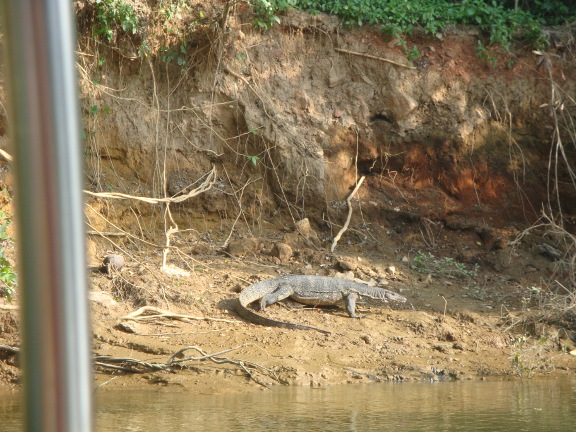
column 380, row 295
column 396, row 297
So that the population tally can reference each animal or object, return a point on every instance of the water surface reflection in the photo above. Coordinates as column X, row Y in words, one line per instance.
column 534, row 405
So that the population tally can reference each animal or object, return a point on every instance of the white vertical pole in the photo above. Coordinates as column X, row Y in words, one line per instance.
column 40, row 43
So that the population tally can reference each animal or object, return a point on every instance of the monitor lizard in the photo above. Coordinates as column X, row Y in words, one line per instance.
column 309, row 290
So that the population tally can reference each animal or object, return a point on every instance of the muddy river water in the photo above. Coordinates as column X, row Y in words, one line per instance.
column 533, row 405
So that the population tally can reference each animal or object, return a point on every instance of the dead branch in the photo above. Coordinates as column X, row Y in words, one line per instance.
column 247, row 367
column 10, row 350
column 136, row 366
column 218, row 330
column 348, row 201
column 104, row 383
column 167, row 234
column 132, row 364
column 9, row 307
column 6, row 155
column 107, row 234
column 204, row 356
column 161, row 313
column 206, row 185
column 373, row 58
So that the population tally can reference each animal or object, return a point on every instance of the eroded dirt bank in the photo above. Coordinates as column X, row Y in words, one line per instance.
column 454, row 155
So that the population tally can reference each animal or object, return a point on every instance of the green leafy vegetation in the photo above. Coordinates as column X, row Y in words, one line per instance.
column 171, row 13
column 498, row 19
column 174, row 48
column 174, row 54
column 414, row 53
column 253, row 159
column 485, row 54
column 112, row 15
column 527, row 359
column 7, row 274
column 267, row 11
column 447, row 267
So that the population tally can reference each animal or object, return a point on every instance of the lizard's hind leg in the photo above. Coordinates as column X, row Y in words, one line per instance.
column 283, row 291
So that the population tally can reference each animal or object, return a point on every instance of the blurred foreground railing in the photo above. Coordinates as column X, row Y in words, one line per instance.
column 39, row 41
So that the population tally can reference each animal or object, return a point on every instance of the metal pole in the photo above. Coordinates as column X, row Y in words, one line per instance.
column 43, row 111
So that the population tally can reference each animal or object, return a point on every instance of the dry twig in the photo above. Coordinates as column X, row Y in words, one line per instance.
column 348, row 201
column 10, row 350
column 107, row 234
column 158, row 313
column 6, row 155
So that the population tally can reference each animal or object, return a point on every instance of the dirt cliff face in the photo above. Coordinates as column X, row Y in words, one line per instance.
column 455, row 158
column 292, row 118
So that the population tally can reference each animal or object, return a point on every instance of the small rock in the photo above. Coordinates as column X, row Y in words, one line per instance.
column 241, row 247
column 338, row 113
column 201, row 248
column 112, row 263
column 347, row 121
column 367, row 339
column 101, row 298
column 281, row 251
column 367, row 280
column 302, row 235
column 405, row 259
column 346, row 265
column 502, row 261
column 334, row 80
column 391, row 270
column 549, row 252
column 128, row 327
column 491, row 239
column 308, row 271
column 304, row 228
column 345, row 275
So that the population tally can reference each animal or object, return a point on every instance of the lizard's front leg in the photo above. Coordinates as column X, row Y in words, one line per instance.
column 350, row 303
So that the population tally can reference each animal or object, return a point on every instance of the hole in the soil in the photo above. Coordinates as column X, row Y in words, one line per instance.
column 380, row 117
column 368, row 167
